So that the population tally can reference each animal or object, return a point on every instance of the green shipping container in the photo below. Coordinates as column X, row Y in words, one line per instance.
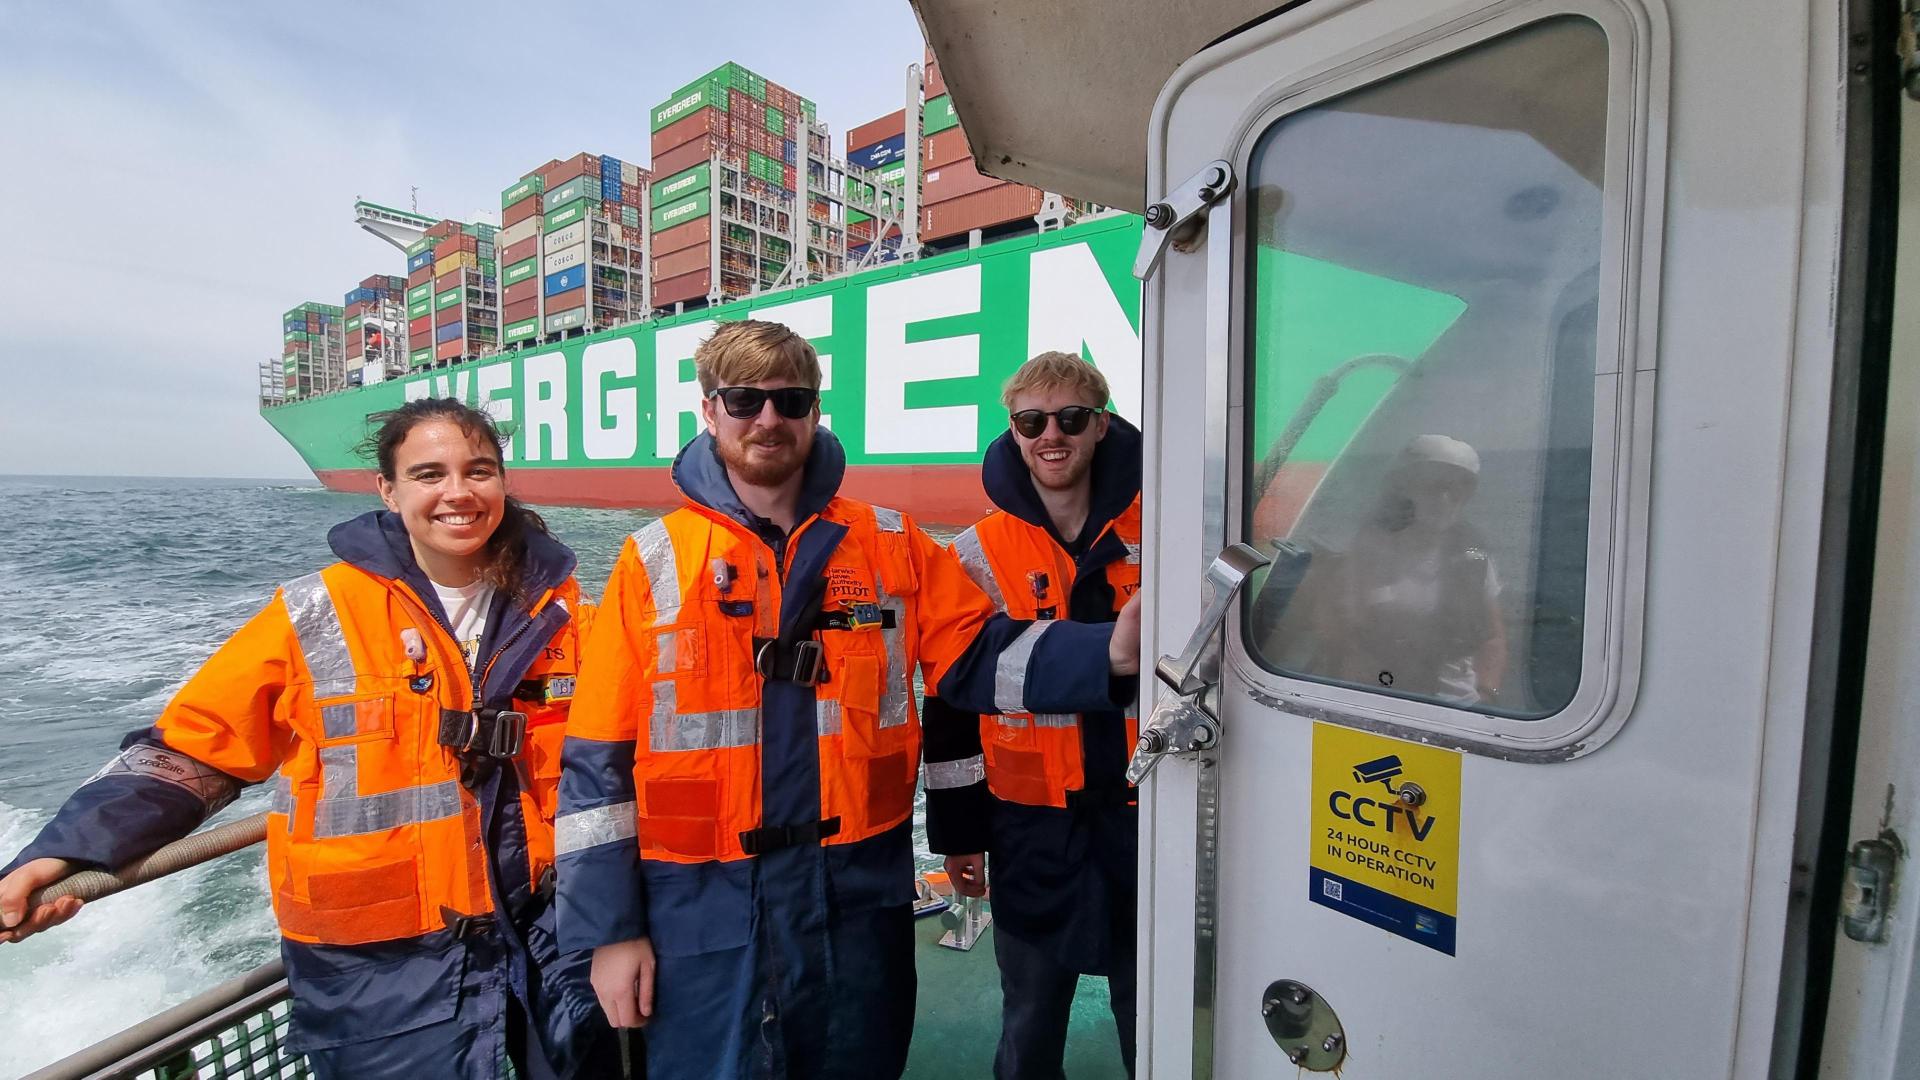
column 691, row 208
column 524, row 329
column 683, row 183
column 297, row 335
column 447, row 299
column 630, row 216
column 776, row 123
column 806, row 110
column 420, row 357
column 939, row 115
column 420, row 245
column 421, row 307
column 532, row 185
column 691, row 99
column 353, row 324
column 521, row 271
column 561, row 217
column 423, row 291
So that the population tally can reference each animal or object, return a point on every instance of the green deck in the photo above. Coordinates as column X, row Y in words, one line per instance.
column 957, row 1021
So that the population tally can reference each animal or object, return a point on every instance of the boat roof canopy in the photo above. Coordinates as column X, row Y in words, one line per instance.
column 1057, row 93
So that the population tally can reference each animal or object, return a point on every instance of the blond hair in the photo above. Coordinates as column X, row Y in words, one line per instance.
column 747, row 352
column 1056, row 369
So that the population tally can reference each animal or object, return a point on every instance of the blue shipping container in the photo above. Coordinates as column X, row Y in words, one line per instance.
column 425, row 258
column 791, row 150
column 884, row 152
column 448, row 332
column 571, row 278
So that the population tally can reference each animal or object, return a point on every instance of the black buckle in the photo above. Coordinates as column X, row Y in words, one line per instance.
column 465, row 926
column 497, row 733
column 801, row 662
column 768, row 838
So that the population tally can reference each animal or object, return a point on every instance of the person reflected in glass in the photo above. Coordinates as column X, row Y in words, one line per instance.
column 1412, row 605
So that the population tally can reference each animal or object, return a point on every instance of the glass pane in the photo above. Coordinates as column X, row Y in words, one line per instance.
column 1423, row 298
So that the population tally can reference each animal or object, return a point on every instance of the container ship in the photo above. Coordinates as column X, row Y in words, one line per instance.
column 923, row 283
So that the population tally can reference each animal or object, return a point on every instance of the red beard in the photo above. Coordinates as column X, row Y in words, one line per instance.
column 762, row 470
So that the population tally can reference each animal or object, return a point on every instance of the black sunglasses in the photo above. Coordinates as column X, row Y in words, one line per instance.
column 1032, row 423
column 745, row 402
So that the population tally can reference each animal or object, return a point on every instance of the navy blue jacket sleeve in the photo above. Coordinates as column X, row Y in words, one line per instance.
column 146, row 797
column 1053, row 666
column 959, row 812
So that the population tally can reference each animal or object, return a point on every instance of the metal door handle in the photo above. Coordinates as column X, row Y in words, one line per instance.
column 1190, row 720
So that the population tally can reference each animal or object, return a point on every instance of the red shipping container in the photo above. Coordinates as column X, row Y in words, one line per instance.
column 354, row 342
column 443, row 228
column 357, row 308
column 525, row 249
column 683, row 236
column 377, row 281
column 567, row 301
column 454, row 245
column 939, row 149
column 953, row 180
column 685, row 287
column 520, row 310
column 520, row 211
column 450, row 350
column 707, row 121
column 448, row 314
column 687, row 155
column 936, row 83
column 877, row 131
column 420, row 276
column 555, row 173
column 685, row 261
column 521, row 290
column 452, row 279
column 791, row 178
column 420, row 330
column 980, row 210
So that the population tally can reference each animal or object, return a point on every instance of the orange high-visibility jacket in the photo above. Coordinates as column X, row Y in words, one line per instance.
column 371, row 835
column 1036, row 759
column 670, row 669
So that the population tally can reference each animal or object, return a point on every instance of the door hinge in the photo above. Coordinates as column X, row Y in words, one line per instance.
column 1867, row 895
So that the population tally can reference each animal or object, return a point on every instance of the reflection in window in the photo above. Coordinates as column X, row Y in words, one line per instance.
column 1422, row 313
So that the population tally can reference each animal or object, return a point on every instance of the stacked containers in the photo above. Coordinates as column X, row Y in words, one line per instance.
column 521, row 222
column 465, row 301
column 880, row 147
column 314, row 349
column 376, row 329
column 734, row 123
column 955, row 197
column 592, row 269
column 420, row 350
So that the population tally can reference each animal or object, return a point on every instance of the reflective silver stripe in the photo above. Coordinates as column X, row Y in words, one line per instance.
column 973, row 558
column 667, row 653
column 942, row 775
column 316, row 622
column 1010, row 673
column 896, row 695
column 343, row 811
column 1133, row 554
column 339, row 721
column 585, row 829
column 888, row 520
column 655, row 546
column 1055, row 720
column 826, row 716
column 212, row 787
column 280, row 796
column 671, row 730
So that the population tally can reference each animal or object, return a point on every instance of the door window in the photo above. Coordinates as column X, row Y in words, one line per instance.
column 1423, row 294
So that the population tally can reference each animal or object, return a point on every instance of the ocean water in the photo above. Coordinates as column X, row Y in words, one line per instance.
column 112, row 591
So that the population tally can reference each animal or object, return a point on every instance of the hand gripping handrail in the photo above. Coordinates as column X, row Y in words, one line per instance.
column 180, row 855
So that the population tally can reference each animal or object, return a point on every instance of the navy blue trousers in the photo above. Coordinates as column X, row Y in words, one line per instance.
column 1036, row 994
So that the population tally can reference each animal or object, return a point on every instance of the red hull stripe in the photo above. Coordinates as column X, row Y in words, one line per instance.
column 933, row 494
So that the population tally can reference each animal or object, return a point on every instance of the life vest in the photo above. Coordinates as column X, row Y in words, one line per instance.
column 371, row 835
column 715, row 592
column 1036, row 759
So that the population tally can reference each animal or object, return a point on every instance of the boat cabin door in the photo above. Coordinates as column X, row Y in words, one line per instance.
column 1492, row 420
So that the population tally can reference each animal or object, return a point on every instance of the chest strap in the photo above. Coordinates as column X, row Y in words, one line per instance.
column 492, row 733
column 768, row 838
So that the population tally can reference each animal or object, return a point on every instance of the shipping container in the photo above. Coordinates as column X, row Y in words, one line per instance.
column 682, row 236
column 694, row 206
column 685, row 261
column 682, row 184
column 423, row 291
column 892, row 125
column 524, row 270
column 580, row 187
column 572, row 212
column 521, row 251
column 531, row 185
column 572, row 234
column 555, row 261
column 518, row 233
column 449, row 350
column 696, row 151
column 425, row 243
column 939, row 115
column 566, row 301
column 520, row 331
column 420, row 357
column 521, row 290
column 704, row 122
column 420, row 308
column 449, row 330
column 570, row 278
column 422, row 276
column 934, row 83
column 953, row 180
column 353, row 323
column 949, row 145
column 668, row 291
column 520, row 310
column 566, row 320
column 445, row 315
column 520, row 213
column 879, row 155
column 416, row 262
column 980, row 210
column 555, row 173
column 448, row 299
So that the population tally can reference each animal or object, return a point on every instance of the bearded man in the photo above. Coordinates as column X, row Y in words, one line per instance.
column 734, row 839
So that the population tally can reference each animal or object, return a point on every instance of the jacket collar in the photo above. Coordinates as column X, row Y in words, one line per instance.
column 376, row 542
column 1116, row 479
column 701, row 476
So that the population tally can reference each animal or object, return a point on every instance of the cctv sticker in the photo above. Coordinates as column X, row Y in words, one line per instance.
column 1386, row 833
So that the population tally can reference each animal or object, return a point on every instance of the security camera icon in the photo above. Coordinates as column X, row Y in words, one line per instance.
column 1378, row 771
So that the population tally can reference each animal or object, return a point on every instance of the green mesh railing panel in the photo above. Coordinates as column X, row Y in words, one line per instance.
column 253, row 1048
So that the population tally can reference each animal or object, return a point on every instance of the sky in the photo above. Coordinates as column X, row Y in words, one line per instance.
column 178, row 175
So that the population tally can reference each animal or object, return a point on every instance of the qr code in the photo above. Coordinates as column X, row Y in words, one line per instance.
column 1331, row 889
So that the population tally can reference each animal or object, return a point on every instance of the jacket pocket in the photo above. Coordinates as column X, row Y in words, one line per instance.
column 698, row 908
column 343, row 996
